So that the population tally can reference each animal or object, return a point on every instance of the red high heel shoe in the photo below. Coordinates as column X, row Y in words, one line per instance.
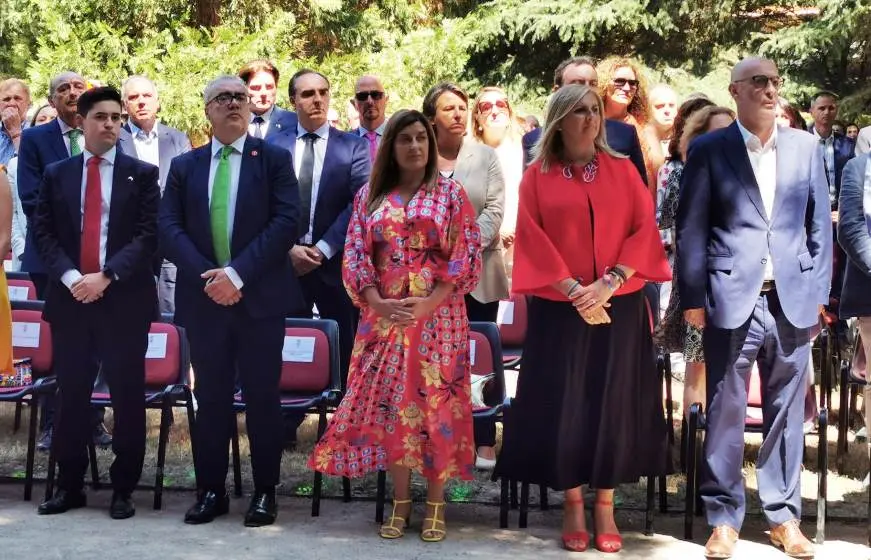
column 607, row 542
column 578, row 541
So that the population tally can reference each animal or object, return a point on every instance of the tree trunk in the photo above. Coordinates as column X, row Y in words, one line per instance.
column 208, row 13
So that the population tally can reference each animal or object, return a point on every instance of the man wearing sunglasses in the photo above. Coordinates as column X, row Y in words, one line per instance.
column 622, row 137
column 370, row 100
column 754, row 242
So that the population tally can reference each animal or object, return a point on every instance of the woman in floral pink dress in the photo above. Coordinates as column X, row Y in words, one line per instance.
column 412, row 252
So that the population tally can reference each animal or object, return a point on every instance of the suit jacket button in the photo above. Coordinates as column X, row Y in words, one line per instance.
column 764, row 261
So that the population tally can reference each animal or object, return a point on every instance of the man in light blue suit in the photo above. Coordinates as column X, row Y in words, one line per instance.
column 755, row 260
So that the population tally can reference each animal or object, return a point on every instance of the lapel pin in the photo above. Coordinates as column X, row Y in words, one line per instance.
column 129, row 179
column 278, row 126
column 253, row 153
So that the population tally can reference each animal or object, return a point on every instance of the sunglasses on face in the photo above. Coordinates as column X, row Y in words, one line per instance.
column 620, row 83
column 362, row 96
column 487, row 106
column 761, row 81
column 226, row 98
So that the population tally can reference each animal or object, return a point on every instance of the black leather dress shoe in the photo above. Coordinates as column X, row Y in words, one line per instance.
column 62, row 502
column 209, row 506
column 262, row 511
column 122, row 506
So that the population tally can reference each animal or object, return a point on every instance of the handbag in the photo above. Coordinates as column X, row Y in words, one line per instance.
column 20, row 376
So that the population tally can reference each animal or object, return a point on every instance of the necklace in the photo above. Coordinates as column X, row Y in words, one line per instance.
column 590, row 170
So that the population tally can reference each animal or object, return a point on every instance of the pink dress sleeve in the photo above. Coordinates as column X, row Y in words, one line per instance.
column 463, row 243
column 358, row 270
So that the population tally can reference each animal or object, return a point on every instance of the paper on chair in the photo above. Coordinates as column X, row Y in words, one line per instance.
column 25, row 335
column 505, row 315
column 299, row 349
column 17, row 293
column 472, row 351
column 156, row 346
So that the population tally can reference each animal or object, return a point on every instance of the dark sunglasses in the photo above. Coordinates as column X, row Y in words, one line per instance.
column 621, row 83
column 362, row 96
column 761, row 81
column 487, row 106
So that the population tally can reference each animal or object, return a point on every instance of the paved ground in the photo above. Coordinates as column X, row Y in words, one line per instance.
column 342, row 531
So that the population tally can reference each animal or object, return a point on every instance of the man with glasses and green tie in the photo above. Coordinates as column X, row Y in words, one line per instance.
column 370, row 100
column 228, row 217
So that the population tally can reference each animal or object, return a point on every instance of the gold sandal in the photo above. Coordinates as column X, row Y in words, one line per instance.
column 433, row 533
column 392, row 530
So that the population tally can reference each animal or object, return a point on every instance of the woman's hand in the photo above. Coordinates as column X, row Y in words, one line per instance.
column 420, row 307
column 597, row 316
column 393, row 310
column 588, row 298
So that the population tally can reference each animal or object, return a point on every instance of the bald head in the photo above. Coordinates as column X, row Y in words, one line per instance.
column 753, row 66
column 370, row 99
column 663, row 108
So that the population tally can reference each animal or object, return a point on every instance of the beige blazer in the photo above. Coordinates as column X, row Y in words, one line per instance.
column 478, row 170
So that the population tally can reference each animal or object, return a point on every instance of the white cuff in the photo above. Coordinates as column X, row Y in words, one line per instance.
column 234, row 277
column 70, row 277
column 325, row 249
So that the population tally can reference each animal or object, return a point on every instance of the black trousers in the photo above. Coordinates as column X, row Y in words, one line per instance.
column 223, row 344
column 98, row 336
column 485, row 428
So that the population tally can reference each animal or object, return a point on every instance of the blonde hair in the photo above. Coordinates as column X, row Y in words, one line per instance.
column 550, row 148
column 478, row 130
column 698, row 124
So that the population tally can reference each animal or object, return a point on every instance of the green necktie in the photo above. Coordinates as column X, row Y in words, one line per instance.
column 219, row 206
column 75, row 147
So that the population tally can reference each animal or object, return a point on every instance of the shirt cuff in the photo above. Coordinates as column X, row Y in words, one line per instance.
column 234, row 277
column 325, row 249
column 70, row 277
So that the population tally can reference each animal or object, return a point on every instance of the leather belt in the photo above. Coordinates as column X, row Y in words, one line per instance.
column 768, row 286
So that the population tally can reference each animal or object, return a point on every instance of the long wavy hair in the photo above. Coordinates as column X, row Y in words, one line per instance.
column 699, row 123
column 639, row 106
column 687, row 109
column 550, row 148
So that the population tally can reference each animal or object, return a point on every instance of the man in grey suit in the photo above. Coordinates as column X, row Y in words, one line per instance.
column 155, row 143
column 755, row 260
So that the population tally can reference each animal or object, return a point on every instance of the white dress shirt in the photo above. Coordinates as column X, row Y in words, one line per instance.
column 763, row 159
column 19, row 221
column 235, row 167
column 64, row 130
column 266, row 116
column 146, row 144
column 827, row 151
column 107, row 168
column 320, row 150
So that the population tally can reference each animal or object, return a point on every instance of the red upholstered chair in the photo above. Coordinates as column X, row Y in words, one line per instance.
column 31, row 339
column 512, row 321
column 309, row 383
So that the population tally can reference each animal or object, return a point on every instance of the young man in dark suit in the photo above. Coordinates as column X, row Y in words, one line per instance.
column 95, row 227
column 267, row 118
column 228, row 218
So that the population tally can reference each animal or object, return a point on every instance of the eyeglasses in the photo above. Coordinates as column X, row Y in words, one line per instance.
column 620, row 83
column 362, row 96
column 761, row 81
column 487, row 106
column 227, row 97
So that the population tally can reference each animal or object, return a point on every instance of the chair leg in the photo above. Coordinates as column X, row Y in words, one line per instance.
column 524, row 505
column 843, row 419
column 237, row 460
column 346, row 489
column 648, row 514
column 192, row 422
column 504, row 505
column 542, row 499
column 31, row 448
column 822, row 474
column 319, row 478
column 16, row 425
column 692, row 441
column 95, row 467
column 380, row 497
column 161, row 453
column 513, row 490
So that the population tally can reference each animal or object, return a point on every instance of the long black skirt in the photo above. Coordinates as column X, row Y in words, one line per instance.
column 589, row 404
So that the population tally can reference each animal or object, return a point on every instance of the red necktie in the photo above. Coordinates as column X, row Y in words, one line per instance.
column 90, row 257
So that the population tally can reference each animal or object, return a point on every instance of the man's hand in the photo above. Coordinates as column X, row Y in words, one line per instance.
column 220, row 288
column 507, row 239
column 834, row 216
column 11, row 121
column 90, row 287
column 305, row 259
column 695, row 317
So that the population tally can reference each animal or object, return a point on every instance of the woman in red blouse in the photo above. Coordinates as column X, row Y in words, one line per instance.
column 588, row 407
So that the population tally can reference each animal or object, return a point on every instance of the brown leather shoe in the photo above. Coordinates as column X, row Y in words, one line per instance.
column 789, row 538
column 722, row 542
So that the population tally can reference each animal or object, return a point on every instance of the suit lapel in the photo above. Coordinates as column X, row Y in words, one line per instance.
column 736, row 154
column 785, row 168
column 164, row 146
column 123, row 183
column 125, row 143
column 72, row 190
column 199, row 185
column 250, row 173
column 331, row 162
column 57, row 142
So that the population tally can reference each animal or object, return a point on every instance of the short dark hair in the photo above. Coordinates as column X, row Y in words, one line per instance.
column 823, row 93
column 436, row 91
column 261, row 65
column 291, row 87
column 95, row 95
column 686, row 110
column 573, row 61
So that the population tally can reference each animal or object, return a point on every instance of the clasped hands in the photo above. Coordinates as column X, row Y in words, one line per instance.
column 220, row 288
column 90, row 287
column 591, row 302
column 305, row 259
column 406, row 311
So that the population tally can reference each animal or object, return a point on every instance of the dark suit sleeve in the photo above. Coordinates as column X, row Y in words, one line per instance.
column 818, row 223
column 175, row 242
column 271, row 246
column 45, row 233
column 29, row 172
column 137, row 254
column 528, row 142
column 360, row 168
column 853, row 235
column 692, row 225
column 636, row 156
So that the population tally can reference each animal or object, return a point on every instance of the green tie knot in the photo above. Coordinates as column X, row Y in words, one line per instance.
column 226, row 151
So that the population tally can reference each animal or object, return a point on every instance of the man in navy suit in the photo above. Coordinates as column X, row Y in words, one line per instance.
column 754, row 235
column 331, row 166
column 95, row 227
column 229, row 215
column 834, row 148
column 155, row 143
column 622, row 137
column 267, row 120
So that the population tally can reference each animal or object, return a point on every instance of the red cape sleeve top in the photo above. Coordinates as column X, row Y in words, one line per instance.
column 569, row 228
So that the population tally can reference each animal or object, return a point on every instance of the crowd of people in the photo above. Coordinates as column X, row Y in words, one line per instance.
column 403, row 230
